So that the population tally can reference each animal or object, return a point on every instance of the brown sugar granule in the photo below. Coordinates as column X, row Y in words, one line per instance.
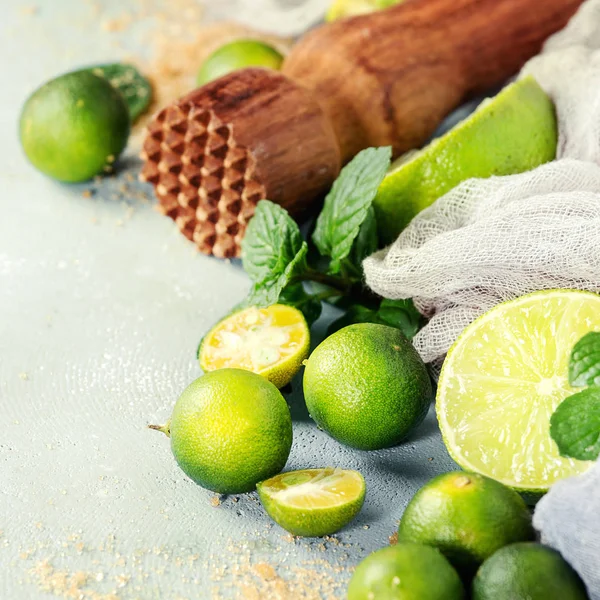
column 265, row 571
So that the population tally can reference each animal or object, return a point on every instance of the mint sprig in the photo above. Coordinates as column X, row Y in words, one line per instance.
column 276, row 256
column 575, row 424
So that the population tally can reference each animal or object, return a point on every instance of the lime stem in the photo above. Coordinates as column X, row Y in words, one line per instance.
column 163, row 428
column 337, row 283
column 343, row 286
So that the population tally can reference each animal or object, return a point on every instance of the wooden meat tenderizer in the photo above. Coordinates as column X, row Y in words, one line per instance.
column 386, row 78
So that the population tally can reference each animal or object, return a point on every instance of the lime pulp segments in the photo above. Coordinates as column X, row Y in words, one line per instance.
column 503, row 379
column 271, row 342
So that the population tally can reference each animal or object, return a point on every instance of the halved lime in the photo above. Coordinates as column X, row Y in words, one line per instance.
column 270, row 341
column 511, row 133
column 503, row 379
column 313, row 502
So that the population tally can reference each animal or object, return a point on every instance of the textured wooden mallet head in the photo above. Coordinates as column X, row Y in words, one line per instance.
column 387, row 78
column 215, row 153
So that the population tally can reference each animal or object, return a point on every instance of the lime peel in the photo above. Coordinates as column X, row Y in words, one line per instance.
column 511, row 133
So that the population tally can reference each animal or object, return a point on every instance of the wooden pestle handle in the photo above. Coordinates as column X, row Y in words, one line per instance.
column 390, row 77
column 387, row 78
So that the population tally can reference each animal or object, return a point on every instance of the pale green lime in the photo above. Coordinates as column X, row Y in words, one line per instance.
column 341, row 9
column 238, row 55
column 503, row 379
column 511, row 133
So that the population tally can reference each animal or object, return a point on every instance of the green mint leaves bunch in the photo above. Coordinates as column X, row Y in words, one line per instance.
column 284, row 268
column 575, row 425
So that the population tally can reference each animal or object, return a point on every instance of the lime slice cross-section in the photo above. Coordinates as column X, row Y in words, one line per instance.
column 503, row 379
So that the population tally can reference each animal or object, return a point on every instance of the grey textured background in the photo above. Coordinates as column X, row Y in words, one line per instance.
column 102, row 303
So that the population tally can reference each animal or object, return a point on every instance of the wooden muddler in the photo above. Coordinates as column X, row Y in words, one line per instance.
column 386, row 78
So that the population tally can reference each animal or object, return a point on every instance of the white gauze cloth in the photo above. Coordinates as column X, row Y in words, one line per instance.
column 491, row 240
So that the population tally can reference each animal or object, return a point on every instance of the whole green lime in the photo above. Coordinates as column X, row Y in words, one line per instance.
column 74, row 126
column 405, row 572
column 366, row 386
column 238, row 55
column 527, row 571
column 229, row 430
column 467, row 516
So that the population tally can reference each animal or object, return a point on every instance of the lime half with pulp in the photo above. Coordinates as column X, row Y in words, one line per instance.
column 503, row 379
column 271, row 342
column 313, row 502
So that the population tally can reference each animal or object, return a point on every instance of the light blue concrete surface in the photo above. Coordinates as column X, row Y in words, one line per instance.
column 102, row 304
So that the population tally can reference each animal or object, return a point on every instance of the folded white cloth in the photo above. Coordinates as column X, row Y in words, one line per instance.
column 567, row 518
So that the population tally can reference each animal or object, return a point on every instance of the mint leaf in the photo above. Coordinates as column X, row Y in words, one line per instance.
column 295, row 295
column 575, row 425
column 268, row 291
column 347, row 204
column 402, row 315
column 273, row 249
column 584, row 368
column 364, row 245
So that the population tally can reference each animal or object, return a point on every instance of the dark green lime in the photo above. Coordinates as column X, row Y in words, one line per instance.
column 136, row 89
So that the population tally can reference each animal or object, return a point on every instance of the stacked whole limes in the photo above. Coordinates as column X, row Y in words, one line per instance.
column 467, row 516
